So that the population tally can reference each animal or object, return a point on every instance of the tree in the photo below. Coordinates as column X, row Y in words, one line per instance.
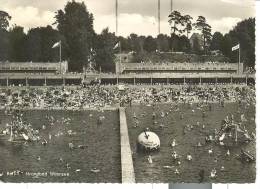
column 33, row 45
column 17, row 39
column 150, row 44
column 4, row 35
column 226, row 45
column 196, row 46
column 39, row 42
column 4, row 45
column 141, row 40
column 4, row 20
column 216, row 42
column 125, row 45
column 134, row 42
column 201, row 25
column 105, row 53
column 175, row 21
column 187, row 21
column 162, row 42
column 50, row 36
column 184, row 44
column 244, row 34
column 181, row 43
column 75, row 23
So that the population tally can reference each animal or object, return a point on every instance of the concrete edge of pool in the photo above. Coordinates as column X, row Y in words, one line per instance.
column 127, row 167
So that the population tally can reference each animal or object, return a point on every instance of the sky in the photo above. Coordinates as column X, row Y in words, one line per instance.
column 135, row 16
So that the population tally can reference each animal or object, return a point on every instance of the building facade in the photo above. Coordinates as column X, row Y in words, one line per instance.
column 33, row 67
column 180, row 68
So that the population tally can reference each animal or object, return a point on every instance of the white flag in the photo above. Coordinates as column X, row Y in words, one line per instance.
column 116, row 46
column 236, row 47
column 56, row 45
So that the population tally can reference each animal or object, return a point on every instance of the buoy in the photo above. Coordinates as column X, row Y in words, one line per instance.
column 148, row 141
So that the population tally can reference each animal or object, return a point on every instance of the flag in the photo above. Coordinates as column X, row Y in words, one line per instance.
column 236, row 47
column 117, row 45
column 56, row 45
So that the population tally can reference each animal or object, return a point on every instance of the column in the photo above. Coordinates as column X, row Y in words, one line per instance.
column 63, row 81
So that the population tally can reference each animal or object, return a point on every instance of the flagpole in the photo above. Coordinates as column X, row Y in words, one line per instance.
column 239, row 59
column 120, row 51
column 60, row 57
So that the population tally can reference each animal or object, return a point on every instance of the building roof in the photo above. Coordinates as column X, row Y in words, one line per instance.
column 31, row 64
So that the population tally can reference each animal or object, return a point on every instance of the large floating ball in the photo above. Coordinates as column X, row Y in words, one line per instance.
column 148, row 141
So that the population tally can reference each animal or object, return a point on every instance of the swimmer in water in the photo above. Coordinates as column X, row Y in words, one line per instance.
column 228, row 153
column 150, row 160
column 173, row 143
column 189, row 157
column 213, row 173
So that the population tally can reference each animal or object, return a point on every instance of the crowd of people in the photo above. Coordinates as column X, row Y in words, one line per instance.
column 226, row 134
column 99, row 96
